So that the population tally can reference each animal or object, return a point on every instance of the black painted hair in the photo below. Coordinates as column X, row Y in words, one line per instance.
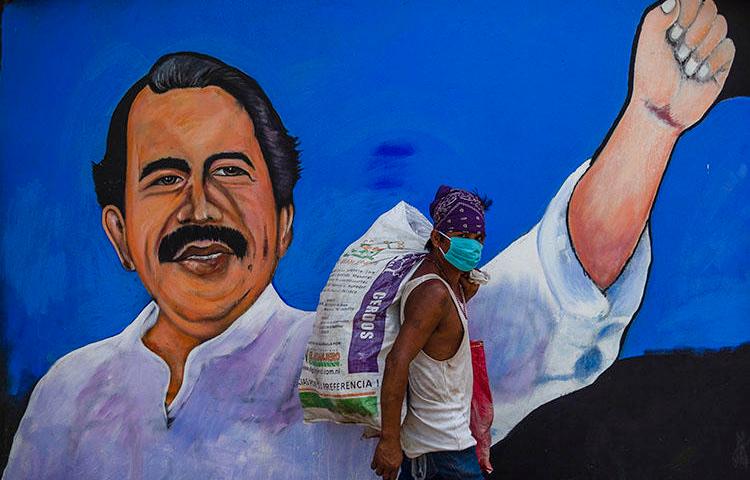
column 191, row 70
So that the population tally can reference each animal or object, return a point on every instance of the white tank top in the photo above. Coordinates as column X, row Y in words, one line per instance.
column 439, row 401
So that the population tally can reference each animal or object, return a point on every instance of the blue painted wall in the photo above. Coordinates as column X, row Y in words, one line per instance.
column 389, row 102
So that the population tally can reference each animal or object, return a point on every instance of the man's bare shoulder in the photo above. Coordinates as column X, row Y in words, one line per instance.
column 430, row 295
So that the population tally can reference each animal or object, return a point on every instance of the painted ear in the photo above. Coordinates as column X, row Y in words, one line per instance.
column 286, row 218
column 114, row 226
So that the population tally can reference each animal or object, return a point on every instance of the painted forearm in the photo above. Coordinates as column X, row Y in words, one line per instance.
column 612, row 202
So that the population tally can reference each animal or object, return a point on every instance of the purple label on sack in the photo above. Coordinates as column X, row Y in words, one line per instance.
column 368, row 328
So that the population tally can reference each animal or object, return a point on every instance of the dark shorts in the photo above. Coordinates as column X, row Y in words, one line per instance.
column 442, row 466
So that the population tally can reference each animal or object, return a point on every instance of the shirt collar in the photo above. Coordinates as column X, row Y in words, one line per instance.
column 239, row 334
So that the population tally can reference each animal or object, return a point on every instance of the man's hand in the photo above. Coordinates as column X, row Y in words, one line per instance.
column 682, row 60
column 469, row 288
column 387, row 458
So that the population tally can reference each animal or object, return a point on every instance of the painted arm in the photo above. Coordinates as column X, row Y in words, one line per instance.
column 612, row 202
column 549, row 327
column 422, row 313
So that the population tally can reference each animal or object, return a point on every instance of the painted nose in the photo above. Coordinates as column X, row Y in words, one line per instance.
column 198, row 207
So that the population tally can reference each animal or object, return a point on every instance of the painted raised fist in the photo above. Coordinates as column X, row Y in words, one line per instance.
column 682, row 59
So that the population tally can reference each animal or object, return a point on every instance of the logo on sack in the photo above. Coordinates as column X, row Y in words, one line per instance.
column 369, row 250
column 323, row 359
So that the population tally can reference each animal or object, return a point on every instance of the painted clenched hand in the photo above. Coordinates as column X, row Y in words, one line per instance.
column 682, row 60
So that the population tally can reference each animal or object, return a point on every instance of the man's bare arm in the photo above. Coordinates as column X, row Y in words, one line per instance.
column 682, row 59
column 424, row 308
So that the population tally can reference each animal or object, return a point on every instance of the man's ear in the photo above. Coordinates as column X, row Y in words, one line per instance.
column 114, row 225
column 286, row 217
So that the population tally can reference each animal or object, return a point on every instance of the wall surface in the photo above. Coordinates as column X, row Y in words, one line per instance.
column 388, row 103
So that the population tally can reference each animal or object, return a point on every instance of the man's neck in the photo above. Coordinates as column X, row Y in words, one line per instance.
column 449, row 273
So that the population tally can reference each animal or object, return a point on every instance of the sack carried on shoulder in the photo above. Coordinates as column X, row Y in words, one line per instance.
column 357, row 320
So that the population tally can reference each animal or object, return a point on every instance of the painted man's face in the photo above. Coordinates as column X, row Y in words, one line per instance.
column 201, row 225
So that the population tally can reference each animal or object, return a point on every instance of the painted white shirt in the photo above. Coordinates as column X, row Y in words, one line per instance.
column 99, row 412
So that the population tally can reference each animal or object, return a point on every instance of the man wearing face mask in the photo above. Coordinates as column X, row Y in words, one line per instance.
column 432, row 354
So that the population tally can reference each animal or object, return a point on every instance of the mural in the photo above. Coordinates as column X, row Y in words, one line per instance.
column 162, row 331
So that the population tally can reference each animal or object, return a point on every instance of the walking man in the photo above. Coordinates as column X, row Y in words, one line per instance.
column 432, row 354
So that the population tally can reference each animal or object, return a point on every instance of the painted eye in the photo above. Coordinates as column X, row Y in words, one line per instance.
column 230, row 171
column 167, row 180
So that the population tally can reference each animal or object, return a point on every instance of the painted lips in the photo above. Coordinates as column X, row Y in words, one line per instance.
column 201, row 253
column 202, row 258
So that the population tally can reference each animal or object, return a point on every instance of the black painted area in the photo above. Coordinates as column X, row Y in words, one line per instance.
column 11, row 409
column 10, row 415
column 677, row 415
column 737, row 13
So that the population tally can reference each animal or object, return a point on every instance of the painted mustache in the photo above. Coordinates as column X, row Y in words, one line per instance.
column 173, row 243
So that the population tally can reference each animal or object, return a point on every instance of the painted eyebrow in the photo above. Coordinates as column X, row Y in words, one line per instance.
column 165, row 163
column 225, row 156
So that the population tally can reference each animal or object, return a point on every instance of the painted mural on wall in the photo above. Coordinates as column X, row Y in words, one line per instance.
column 227, row 184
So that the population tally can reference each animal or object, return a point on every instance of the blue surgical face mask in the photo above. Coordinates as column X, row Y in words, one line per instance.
column 464, row 253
